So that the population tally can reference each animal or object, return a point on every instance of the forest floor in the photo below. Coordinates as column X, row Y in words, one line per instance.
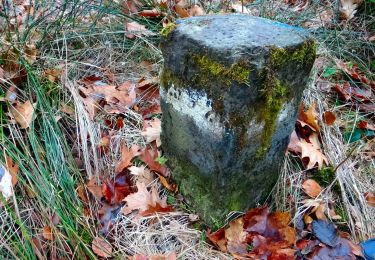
column 82, row 174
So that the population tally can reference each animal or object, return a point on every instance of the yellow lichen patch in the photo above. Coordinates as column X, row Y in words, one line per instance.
column 168, row 29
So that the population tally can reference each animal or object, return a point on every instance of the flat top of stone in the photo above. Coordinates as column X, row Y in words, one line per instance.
column 239, row 30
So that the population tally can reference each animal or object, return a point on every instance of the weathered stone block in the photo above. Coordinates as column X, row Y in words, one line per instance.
column 230, row 90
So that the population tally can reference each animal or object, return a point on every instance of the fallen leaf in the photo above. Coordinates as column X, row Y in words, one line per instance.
column 148, row 111
column 130, row 6
column 145, row 201
column 181, row 12
column 309, row 117
column 101, row 247
column 148, row 89
column 294, row 143
column 52, row 75
column 116, row 190
column 348, row 9
column 342, row 250
column 104, row 143
column 81, row 192
column 124, row 94
column 47, row 233
column 329, row 117
column 95, row 189
column 143, row 174
column 107, row 216
column 311, row 188
column 134, row 29
column 172, row 187
column 313, row 151
column 370, row 198
column 326, row 232
column 152, row 131
column 149, row 156
column 236, row 237
column 31, row 53
column 365, row 125
column 307, row 219
column 150, row 13
column 218, row 239
column 126, row 157
column 23, row 113
column 319, row 212
column 91, row 106
column 356, row 249
column 341, row 92
column 139, row 200
column 12, row 169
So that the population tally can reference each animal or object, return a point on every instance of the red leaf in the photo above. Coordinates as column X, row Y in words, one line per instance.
column 341, row 92
column 150, row 13
column 115, row 191
column 157, row 208
column 218, row 239
column 364, row 125
column 329, row 117
column 149, row 156
column 347, row 92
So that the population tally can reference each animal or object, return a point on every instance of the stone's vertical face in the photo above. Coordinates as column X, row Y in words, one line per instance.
column 230, row 90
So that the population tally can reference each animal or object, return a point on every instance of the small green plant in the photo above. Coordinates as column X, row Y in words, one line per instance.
column 161, row 159
column 329, row 71
column 250, row 247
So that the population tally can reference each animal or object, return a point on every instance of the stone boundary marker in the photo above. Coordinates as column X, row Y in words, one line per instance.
column 230, row 90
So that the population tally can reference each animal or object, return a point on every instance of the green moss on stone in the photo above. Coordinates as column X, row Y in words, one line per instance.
column 306, row 53
column 215, row 78
column 210, row 68
column 303, row 54
column 274, row 94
